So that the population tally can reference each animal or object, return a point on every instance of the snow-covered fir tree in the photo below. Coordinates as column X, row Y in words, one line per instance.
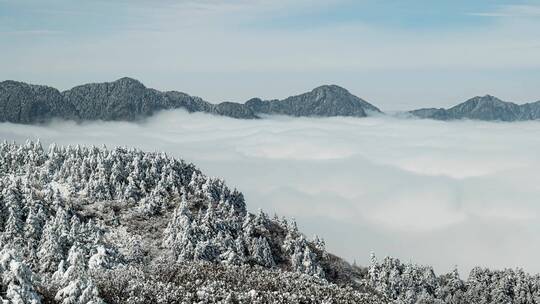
column 16, row 279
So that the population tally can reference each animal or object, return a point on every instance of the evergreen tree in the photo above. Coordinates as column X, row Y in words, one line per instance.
column 13, row 200
column 33, row 227
column 261, row 252
column 101, row 259
column 51, row 248
column 18, row 278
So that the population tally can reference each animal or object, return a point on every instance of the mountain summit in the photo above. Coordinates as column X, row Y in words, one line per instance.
column 486, row 107
column 326, row 100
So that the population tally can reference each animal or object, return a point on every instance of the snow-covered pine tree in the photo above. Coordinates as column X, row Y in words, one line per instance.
column 77, row 285
column 14, row 224
column 53, row 242
column 17, row 279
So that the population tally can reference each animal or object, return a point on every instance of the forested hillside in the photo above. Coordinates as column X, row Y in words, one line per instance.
column 92, row 225
column 127, row 99
column 77, row 222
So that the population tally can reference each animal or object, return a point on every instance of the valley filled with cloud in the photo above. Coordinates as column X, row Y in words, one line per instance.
column 439, row 193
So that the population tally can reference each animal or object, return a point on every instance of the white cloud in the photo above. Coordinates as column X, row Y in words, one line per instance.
column 441, row 193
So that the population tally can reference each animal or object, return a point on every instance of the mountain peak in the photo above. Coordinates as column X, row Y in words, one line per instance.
column 331, row 88
column 487, row 97
column 485, row 100
column 487, row 107
column 128, row 81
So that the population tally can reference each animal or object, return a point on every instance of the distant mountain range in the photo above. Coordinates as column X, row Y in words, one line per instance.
column 487, row 107
column 128, row 99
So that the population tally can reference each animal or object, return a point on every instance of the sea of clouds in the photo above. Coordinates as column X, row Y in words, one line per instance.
column 441, row 193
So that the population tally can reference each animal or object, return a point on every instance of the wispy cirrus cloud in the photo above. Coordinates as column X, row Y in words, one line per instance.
column 36, row 32
column 512, row 11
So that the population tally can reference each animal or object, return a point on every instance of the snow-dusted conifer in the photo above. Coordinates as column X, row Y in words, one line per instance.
column 51, row 248
column 33, row 226
column 18, row 279
column 100, row 260
column 261, row 252
column 14, row 225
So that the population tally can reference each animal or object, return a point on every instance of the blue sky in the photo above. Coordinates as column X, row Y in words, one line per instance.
column 404, row 14
column 396, row 54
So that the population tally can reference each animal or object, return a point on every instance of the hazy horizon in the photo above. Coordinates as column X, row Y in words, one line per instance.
column 398, row 56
